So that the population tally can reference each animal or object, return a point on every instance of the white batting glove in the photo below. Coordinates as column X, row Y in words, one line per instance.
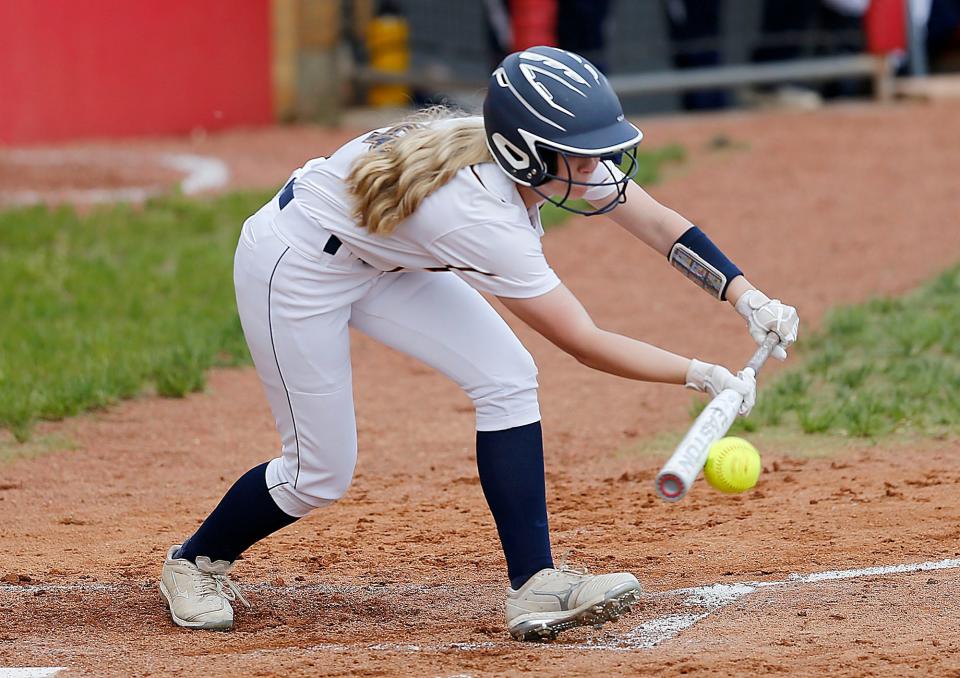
column 764, row 315
column 712, row 379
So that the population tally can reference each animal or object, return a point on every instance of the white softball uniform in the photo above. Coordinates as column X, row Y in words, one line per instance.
column 306, row 272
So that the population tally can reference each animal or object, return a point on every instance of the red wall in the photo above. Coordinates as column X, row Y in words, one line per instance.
column 81, row 68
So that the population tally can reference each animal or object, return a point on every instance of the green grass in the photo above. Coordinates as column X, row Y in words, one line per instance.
column 12, row 450
column 890, row 366
column 106, row 305
column 651, row 164
column 791, row 441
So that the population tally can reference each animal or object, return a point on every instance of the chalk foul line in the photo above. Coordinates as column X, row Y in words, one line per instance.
column 717, row 596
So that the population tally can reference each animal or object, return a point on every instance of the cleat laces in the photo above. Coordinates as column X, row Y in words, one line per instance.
column 220, row 585
column 563, row 566
column 583, row 572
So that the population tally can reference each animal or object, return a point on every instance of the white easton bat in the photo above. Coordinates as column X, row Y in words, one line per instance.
column 686, row 462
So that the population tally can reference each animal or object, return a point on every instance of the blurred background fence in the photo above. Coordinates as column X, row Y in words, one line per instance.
column 742, row 42
column 111, row 67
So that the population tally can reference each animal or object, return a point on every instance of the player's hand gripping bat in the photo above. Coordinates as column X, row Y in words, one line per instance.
column 678, row 474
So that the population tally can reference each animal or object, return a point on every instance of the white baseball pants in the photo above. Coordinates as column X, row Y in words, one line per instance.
column 295, row 313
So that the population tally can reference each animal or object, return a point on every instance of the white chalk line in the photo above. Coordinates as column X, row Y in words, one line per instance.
column 717, row 596
column 703, row 601
column 30, row 671
column 203, row 173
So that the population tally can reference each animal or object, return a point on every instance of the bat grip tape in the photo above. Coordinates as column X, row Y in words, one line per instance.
column 763, row 352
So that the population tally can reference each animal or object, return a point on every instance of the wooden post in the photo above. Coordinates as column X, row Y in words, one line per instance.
column 305, row 71
column 883, row 77
column 283, row 16
column 363, row 12
column 318, row 78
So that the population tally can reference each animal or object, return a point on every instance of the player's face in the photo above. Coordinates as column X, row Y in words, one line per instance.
column 576, row 168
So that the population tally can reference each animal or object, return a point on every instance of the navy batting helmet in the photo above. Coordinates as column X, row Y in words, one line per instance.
column 544, row 104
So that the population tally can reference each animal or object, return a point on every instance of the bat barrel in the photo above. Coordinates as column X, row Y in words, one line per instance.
column 683, row 467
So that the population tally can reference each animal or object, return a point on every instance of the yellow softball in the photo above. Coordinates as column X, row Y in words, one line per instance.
column 733, row 465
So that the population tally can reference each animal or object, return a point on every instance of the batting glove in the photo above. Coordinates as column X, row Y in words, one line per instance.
column 713, row 379
column 765, row 315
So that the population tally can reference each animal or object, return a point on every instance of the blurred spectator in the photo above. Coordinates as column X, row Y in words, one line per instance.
column 810, row 27
column 807, row 28
column 943, row 35
column 842, row 23
column 848, row 7
column 581, row 27
column 499, row 30
column 695, row 34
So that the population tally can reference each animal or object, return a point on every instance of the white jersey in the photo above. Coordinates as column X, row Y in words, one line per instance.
column 475, row 225
column 298, row 296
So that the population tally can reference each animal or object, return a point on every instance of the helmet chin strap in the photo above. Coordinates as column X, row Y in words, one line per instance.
column 618, row 198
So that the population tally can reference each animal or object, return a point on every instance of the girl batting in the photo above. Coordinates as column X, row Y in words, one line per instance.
column 397, row 234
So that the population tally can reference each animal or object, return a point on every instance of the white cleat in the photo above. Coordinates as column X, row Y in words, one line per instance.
column 556, row 600
column 199, row 595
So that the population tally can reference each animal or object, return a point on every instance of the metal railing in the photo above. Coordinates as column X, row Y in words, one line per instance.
column 819, row 69
column 880, row 70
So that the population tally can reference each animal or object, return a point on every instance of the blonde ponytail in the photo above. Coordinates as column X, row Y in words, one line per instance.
column 409, row 162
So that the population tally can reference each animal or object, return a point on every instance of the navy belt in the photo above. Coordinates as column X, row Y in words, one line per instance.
column 286, row 195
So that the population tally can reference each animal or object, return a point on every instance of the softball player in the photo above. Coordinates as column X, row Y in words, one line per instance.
column 397, row 234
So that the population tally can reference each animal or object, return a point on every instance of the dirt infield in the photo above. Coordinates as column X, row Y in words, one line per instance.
column 404, row 576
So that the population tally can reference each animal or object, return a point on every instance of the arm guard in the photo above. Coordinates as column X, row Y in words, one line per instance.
column 695, row 255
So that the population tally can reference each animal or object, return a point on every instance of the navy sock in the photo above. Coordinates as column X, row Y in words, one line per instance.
column 245, row 515
column 510, row 463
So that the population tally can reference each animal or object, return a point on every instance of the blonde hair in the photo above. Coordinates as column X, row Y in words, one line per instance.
column 407, row 163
